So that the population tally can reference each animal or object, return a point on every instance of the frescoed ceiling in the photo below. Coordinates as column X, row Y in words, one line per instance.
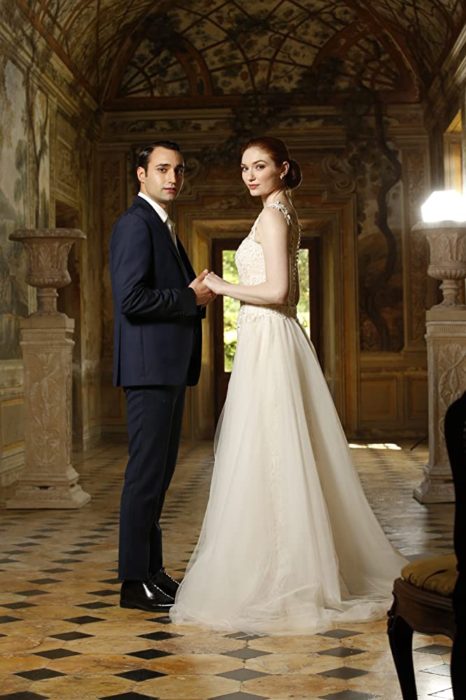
column 125, row 50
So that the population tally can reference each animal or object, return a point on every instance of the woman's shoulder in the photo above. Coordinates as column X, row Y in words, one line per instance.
column 270, row 209
column 271, row 222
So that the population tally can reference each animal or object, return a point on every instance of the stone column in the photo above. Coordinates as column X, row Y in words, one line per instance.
column 48, row 479
column 446, row 351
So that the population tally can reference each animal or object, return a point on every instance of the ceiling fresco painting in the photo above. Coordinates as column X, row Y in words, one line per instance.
column 123, row 49
column 272, row 53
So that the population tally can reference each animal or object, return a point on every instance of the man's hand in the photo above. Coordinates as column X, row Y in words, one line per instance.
column 203, row 294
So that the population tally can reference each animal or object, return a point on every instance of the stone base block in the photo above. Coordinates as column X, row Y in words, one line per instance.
column 57, row 496
column 435, row 491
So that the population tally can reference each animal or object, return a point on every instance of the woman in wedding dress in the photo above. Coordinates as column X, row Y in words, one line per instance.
column 289, row 543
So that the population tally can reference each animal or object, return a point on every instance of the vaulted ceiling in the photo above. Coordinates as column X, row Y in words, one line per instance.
column 146, row 50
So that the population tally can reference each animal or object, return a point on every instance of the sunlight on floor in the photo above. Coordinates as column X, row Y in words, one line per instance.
column 375, row 446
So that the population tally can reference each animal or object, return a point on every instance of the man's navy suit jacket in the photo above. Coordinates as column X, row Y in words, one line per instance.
column 157, row 324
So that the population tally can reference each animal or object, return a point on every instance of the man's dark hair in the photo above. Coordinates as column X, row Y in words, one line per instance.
column 143, row 154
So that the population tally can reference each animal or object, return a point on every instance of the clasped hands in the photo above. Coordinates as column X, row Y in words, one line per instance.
column 206, row 286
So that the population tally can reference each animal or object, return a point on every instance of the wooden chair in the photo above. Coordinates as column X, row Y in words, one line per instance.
column 430, row 596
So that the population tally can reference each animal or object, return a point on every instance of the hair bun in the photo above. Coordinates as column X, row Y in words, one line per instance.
column 294, row 176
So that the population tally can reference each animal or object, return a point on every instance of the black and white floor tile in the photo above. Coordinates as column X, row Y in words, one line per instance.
column 64, row 636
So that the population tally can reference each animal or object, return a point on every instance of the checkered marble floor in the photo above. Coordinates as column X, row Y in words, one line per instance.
column 63, row 635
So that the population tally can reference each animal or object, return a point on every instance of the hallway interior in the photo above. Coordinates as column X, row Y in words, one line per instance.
column 63, row 635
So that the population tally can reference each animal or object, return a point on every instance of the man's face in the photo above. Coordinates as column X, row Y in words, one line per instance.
column 164, row 177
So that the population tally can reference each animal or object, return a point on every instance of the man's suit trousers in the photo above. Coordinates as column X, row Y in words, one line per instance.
column 154, row 427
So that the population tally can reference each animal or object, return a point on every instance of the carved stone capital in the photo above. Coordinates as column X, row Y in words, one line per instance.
column 47, row 261
column 447, row 244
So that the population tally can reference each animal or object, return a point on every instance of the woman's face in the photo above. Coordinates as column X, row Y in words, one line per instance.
column 260, row 174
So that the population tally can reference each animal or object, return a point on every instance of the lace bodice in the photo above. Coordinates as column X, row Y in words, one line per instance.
column 251, row 267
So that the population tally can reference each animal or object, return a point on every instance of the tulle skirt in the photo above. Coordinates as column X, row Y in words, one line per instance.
column 289, row 543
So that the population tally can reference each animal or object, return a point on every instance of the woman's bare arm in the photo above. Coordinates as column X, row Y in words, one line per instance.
column 272, row 235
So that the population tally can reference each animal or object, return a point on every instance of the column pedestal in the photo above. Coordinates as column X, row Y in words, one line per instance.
column 446, row 362
column 48, row 479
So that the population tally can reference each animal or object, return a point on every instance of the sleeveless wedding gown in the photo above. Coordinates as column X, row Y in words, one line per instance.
column 289, row 543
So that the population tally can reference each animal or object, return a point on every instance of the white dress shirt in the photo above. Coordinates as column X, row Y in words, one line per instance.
column 163, row 215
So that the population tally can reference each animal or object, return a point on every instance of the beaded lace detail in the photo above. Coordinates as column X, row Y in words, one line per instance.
column 251, row 268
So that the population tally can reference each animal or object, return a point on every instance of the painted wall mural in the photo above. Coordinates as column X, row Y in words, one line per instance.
column 376, row 166
column 13, row 207
column 380, row 275
column 24, row 191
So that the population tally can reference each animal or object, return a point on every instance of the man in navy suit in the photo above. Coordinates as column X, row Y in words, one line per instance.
column 158, row 306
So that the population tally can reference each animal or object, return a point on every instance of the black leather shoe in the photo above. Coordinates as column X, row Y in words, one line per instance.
column 144, row 595
column 164, row 581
